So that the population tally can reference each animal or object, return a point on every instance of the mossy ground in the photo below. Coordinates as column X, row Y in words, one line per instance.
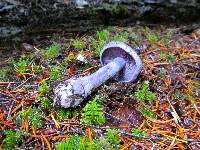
column 159, row 110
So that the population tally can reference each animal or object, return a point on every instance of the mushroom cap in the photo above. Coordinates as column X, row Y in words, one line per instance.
column 133, row 64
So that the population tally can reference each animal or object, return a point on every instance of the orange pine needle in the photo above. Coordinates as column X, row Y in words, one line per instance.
column 18, row 107
column 56, row 123
column 89, row 134
column 2, row 116
column 46, row 141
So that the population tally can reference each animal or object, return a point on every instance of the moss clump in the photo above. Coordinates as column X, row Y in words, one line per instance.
column 93, row 113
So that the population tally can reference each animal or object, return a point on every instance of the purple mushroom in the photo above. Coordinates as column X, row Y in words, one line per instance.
column 119, row 61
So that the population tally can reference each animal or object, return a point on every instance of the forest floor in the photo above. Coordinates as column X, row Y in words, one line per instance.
column 159, row 110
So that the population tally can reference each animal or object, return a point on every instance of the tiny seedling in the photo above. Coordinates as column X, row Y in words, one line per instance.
column 51, row 52
column 144, row 94
column 98, row 45
column 13, row 139
column 55, row 73
column 45, row 102
column 111, row 136
column 162, row 55
column 37, row 69
column 93, row 113
column 172, row 57
column 151, row 37
column 43, row 88
column 79, row 45
column 21, row 66
column 102, row 35
column 99, row 41
column 69, row 59
column 33, row 116
column 147, row 113
column 138, row 133
column 66, row 114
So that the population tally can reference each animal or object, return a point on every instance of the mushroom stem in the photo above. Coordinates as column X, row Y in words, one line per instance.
column 72, row 92
column 99, row 77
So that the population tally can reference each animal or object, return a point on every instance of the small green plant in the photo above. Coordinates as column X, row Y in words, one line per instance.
column 37, row 69
column 138, row 133
column 93, row 113
column 13, row 139
column 33, row 116
column 99, row 41
column 119, row 38
column 113, row 140
column 43, row 88
column 77, row 142
column 78, row 44
column 102, row 35
column 144, row 94
column 163, row 55
column 151, row 37
column 21, row 66
column 66, row 114
column 55, row 73
column 166, row 38
column 3, row 74
column 51, row 52
column 147, row 113
column 98, row 45
column 45, row 102
column 172, row 57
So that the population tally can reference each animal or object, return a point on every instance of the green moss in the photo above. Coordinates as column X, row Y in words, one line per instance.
column 51, row 52
column 93, row 113
column 172, row 57
column 119, row 38
column 138, row 133
column 78, row 142
column 37, row 69
column 151, row 37
column 80, row 45
column 144, row 94
column 55, row 73
column 163, row 55
column 147, row 113
column 179, row 95
column 102, row 35
column 99, row 40
column 113, row 140
column 13, row 139
column 45, row 102
column 43, row 88
column 33, row 116
column 21, row 66
column 67, row 113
